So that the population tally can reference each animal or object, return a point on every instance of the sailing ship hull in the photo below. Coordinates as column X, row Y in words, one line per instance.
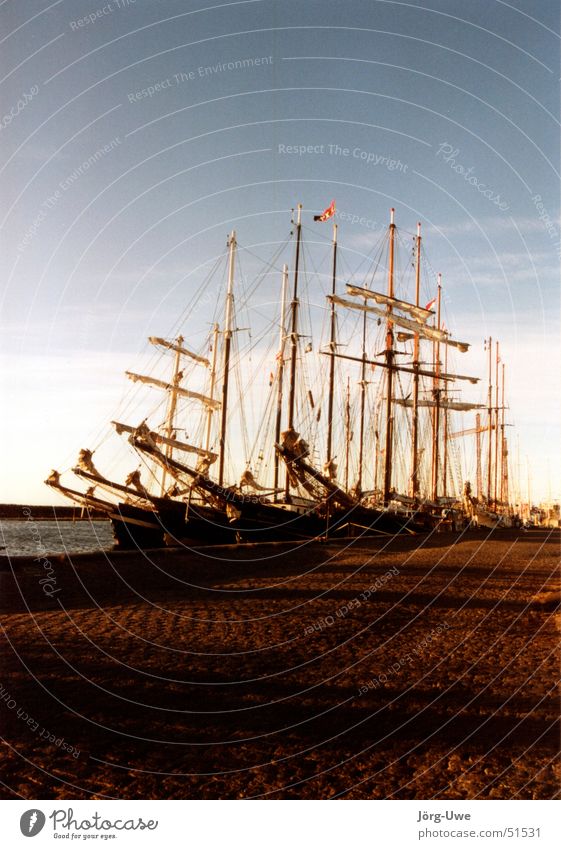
column 259, row 522
column 203, row 525
column 138, row 527
column 359, row 520
column 488, row 519
column 269, row 522
column 173, row 523
column 134, row 527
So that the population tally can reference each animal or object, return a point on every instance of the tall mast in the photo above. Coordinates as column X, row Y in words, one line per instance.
column 496, row 470
column 212, row 384
column 445, row 433
column 332, row 348
column 389, row 364
column 280, row 373
column 414, row 490
column 362, row 409
column 490, row 422
column 518, row 476
column 436, row 392
column 347, row 432
column 294, row 336
column 529, row 489
column 376, row 453
column 504, row 454
column 176, row 380
column 478, row 476
column 227, row 349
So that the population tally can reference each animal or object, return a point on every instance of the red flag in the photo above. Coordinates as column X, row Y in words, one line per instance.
column 327, row 213
column 430, row 304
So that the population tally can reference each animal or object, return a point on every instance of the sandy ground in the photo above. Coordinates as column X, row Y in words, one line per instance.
column 413, row 668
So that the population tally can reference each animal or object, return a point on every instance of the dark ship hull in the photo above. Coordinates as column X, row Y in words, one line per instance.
column 269, row 523
column 261, row 522
column 139, row 527
column 170, row 523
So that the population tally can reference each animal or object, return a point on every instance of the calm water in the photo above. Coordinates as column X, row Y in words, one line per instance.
column 39, row 537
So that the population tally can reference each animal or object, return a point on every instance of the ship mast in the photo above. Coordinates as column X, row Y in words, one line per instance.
column 445, row 432
column 389, row 365
column 172, row 405
column 414, row 491
column 362, row 408
column 347, row 432
column 212, row 384
column 496, row 469
column 294, row 337
column 415, row 324
column 280, row 376
column 436, row 393
column 504, row 457
column 478, row 475
column 529, row 488
column 227, row 352
column 332, row 348
column 490, row 422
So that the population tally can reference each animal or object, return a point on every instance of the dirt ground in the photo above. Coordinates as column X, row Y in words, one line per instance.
column 412, row 668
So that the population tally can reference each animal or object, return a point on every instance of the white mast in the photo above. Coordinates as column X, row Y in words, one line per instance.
column 172, row 404
column 414, row 487
column 227, row 347
column 212, row 384
column 436, row 393
column 390, row 368
column 294, row 338
column 280, row 374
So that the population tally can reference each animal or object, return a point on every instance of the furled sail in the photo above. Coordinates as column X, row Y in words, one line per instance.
column 144, row 431
column 461, row 346
column 426, row 332
column 84, row 472
column 85, row 461
column 293, row 449
column 330, row 470
column 133, row 479
column 53, row 479
column 445, row 376
column 444, row 404
column 420, row 313
column 247, row 479
column 84, row 499
column 169, row 387
column 292, row 440
column 173, row 346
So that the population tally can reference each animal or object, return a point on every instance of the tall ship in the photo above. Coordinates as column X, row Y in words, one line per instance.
column 332, row 415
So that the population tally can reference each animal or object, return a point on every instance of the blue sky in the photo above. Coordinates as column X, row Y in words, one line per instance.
column 448, row 111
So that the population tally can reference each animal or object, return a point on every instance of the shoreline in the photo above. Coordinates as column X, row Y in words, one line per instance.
column 536, row 534
column 47, row 512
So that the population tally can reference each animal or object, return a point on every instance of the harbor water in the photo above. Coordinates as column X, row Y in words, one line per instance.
column 36, row 537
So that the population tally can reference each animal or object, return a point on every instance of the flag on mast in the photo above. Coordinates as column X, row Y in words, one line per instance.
column 430, row 304
column 327, row 213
